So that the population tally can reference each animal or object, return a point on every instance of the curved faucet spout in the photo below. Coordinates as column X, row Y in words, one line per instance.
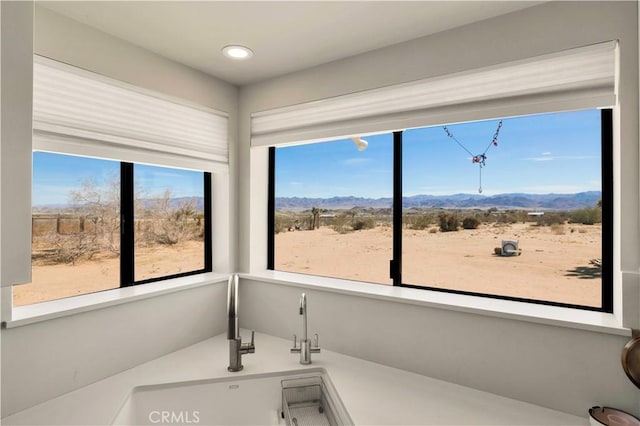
column 303, row 312
column 233, row 331
column 303, row 304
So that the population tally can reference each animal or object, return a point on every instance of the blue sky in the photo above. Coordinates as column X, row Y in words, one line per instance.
column 547, row 153
column 55, row 176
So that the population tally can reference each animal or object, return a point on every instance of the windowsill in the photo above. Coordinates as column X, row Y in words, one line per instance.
column 531, row 312
column 29, row 314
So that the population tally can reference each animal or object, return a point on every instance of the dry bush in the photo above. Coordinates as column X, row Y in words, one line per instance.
column 100, row 209
column 420, row 222
column 342, row 224
column 586, row 216
column 549, row 219
column 448, row 222
column 363, row 223
column 283, row 222
column 470, row 223
column 169, row 224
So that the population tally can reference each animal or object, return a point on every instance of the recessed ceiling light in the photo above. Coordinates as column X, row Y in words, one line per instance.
column 237, row 52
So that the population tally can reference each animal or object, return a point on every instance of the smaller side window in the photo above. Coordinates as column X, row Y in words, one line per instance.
column 79, row 243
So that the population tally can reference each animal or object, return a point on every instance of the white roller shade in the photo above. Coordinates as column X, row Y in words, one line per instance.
column 573, row 79
column 83, row 113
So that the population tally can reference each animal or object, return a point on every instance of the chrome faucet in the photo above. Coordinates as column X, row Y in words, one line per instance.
column 236, row 347
column 306, row 349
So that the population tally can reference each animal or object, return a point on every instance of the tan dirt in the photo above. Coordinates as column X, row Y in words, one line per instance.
column 553, row 265
column 103, row 272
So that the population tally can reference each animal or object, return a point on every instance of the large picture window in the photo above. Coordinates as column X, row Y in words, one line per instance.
column 100, row 224
column 517, row 208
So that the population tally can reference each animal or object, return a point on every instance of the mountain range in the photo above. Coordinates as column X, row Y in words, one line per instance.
column 460, row 201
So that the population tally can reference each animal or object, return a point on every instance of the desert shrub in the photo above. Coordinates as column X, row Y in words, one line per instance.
column 420, row 222
column 433, row 230
column 283, row 222
column 508, row 217
column 586, row 216
column 363, row 223
column 557, row 229
column 342, row 224
column 549, row 219
column 470, row 223
column 448, row 222
column 68, row 248
column 165, row 223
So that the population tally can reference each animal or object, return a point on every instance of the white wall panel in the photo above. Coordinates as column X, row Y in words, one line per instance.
column 564, row 369
column 15, row 136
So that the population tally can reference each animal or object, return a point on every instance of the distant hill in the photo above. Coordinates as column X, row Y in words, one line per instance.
column 196, row 202
column 460, row 201
column 457, row 201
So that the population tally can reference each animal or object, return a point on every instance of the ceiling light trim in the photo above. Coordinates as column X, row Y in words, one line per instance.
column 237, row 52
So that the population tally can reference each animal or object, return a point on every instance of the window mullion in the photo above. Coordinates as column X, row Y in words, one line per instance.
column 271, row 210
column 208, row 217
column 396, row 263
column 126, row 225
column 607, row 208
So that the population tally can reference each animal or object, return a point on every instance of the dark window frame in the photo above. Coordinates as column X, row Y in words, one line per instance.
column 395, row 264
column 127, row 231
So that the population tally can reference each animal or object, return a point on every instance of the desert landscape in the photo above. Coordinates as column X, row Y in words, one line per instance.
column 557, row 256
column 102, row 272
column 554, row 262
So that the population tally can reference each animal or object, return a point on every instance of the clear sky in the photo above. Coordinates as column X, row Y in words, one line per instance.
column 55, row 176
column 548, row 153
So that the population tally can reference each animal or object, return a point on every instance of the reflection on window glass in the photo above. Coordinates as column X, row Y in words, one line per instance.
column 333, row 209
column 511, row 208
column 169, row 221
column 75, row 228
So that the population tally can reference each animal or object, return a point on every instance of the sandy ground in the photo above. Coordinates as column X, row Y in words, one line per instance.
column 103, row 272
column 554, row 264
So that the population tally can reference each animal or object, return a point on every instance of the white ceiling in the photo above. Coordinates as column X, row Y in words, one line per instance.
column 285, row 36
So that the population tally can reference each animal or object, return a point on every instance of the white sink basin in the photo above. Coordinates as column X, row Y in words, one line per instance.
column 242, row 400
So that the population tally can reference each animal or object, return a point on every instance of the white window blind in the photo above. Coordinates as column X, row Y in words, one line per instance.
column 572, row 79
column 83, row 113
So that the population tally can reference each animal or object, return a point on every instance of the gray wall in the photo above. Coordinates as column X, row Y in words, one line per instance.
column 561, row 368
column 47, row 359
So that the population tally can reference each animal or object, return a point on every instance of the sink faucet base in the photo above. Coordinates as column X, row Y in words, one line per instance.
column 236, row 347
column 235, row 358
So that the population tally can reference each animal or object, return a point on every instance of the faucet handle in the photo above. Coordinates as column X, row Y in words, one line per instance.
column 295, row 348
column 315, row 349
column 249, row 348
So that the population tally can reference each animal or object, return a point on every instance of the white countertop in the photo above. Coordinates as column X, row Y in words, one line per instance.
column 372, row 393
